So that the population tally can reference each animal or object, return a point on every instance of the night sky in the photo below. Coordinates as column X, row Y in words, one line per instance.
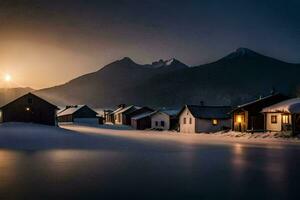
column 45, row 43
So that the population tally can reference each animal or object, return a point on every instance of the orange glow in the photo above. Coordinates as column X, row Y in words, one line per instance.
column 239, row 118
column 285, row 119
column 215, row 122
column 7, row 77
column 238, row 149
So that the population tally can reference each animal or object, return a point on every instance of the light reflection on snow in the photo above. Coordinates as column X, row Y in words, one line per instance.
column 8, row 160
column 238, row 161
column 69, row 165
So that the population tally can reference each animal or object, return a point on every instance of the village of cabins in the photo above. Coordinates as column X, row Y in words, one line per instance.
column 272, row 113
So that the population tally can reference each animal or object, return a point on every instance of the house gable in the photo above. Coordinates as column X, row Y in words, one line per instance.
column 85, row 112
column 29, row 108
column 187, row 121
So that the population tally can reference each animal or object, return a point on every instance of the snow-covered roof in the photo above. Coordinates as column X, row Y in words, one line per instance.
column 141, row 116
column 289, row 106
column 255, row 101
column 277, row 97
column 70, row 110
column 117, row 110
column 169, row 112
column 99, row 111
column 126, row 109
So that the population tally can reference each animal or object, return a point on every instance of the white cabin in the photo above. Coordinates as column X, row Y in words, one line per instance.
column 164, row 120
column 204, row 119
column 283, row 116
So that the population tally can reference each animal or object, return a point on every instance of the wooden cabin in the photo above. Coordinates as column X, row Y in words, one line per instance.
column 165, row 120
column 121, row 116
column 30, row 109
column 248, row 117
column 204, row 119
column 135, row 112
column 283, row 116
column 78, row 114
column 108, row 116
column 142, row 121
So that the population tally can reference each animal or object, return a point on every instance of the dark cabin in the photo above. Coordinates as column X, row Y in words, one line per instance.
column 108, row 116
column 248, row 117
column 30, row 109
column 142, row 121
column 78, row 113
column 120, row 115
column 136, row 112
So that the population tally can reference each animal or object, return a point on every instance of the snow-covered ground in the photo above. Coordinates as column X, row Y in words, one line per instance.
column 216, row 138
column 71, row 136
column 79, row 161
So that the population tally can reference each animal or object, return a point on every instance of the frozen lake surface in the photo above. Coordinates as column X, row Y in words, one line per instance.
column 38, row 162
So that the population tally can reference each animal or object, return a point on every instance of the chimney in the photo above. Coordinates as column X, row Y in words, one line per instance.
column 122, row 105
column 273, row 91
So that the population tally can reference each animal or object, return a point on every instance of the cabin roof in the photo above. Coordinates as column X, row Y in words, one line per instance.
column 289, row 106
column 141, row 116
column 170, row 112
column 123, row 110
column 71, row 110
column 117, row 110
column 208, row 112
column 33, row 95
column 260, row 101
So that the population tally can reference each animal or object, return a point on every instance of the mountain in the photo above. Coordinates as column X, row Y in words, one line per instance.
column 110, row 85
column 240, row 76
column 169, row 64
column 9, row 94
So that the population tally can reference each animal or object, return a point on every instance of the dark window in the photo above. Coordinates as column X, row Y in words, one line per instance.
column 184, row 120
column 274, row 119
column 162, row 123
column 29, row 100
column 156, row 123
column 190, row 120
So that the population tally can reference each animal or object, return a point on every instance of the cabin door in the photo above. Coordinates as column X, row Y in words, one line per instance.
column 297, row 123
column 27, row 116
column 257, row 122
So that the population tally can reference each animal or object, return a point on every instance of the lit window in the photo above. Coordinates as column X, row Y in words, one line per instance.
column 285, row 119
column 27, row 109
column 239, row 118
column 274, row 119
column 215, row 122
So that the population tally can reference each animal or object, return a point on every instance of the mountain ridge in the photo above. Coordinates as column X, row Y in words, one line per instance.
column 241, row 75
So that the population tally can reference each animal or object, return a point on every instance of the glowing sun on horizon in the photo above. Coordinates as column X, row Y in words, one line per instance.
column 7, row 77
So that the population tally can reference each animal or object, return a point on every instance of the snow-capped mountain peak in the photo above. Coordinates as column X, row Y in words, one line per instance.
column 240, row 53
column 168, row 63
